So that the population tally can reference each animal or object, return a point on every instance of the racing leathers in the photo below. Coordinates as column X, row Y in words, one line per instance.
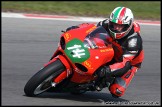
column 127, row 60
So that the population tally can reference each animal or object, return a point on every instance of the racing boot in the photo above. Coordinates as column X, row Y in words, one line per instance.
column 117, row 89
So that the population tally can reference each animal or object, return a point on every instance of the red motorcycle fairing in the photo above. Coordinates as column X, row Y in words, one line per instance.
column 80, row 53
column 82, row 65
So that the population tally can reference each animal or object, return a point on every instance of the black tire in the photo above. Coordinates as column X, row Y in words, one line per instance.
column 49, row 72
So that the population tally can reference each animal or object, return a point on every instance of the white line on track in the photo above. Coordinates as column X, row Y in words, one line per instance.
column 69, row 18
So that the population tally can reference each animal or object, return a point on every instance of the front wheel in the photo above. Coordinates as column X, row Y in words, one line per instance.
column 42, row 80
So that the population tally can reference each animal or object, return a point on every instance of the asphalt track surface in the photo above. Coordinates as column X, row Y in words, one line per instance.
column 27, row 44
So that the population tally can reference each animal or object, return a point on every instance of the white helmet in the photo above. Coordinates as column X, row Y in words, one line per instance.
column 120, row 16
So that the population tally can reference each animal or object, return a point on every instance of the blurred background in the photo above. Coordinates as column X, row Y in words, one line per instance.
column 146, row 10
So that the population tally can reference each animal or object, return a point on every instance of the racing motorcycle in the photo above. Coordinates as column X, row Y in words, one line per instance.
column 73, row 66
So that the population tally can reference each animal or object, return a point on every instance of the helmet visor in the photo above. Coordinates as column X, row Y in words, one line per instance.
column 118, row 28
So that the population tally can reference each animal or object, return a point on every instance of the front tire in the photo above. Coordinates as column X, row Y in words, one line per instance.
column 41, row 81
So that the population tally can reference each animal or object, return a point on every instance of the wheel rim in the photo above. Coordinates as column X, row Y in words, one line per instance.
column 45, row 85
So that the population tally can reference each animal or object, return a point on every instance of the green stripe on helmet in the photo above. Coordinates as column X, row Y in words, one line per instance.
column 116, row 13
column 113, row 34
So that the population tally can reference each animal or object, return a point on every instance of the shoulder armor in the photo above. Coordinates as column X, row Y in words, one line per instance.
column 103, row 23
column 136, row 27
column 134, row 42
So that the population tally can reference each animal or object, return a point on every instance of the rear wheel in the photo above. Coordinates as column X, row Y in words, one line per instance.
column 42, row 80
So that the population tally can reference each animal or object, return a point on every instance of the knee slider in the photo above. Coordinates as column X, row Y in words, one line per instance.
column 117, row 90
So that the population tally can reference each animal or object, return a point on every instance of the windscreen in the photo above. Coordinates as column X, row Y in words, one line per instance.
column 97, row 39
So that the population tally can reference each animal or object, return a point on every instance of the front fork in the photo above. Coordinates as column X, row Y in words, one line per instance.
column 65, row 73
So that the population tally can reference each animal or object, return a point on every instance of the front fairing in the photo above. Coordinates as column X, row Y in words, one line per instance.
column 87, row 49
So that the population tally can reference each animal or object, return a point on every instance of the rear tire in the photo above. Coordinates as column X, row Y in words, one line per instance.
column 41, row 81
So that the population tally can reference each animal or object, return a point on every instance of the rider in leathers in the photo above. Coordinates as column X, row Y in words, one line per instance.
column 128, row 49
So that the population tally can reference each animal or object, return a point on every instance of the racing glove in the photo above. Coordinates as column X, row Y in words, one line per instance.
column 104, row 77
column 103, row 71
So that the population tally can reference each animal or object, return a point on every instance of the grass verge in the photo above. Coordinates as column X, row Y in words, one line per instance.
column 149, row 10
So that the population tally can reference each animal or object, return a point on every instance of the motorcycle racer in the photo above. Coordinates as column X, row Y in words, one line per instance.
column 128, row 50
